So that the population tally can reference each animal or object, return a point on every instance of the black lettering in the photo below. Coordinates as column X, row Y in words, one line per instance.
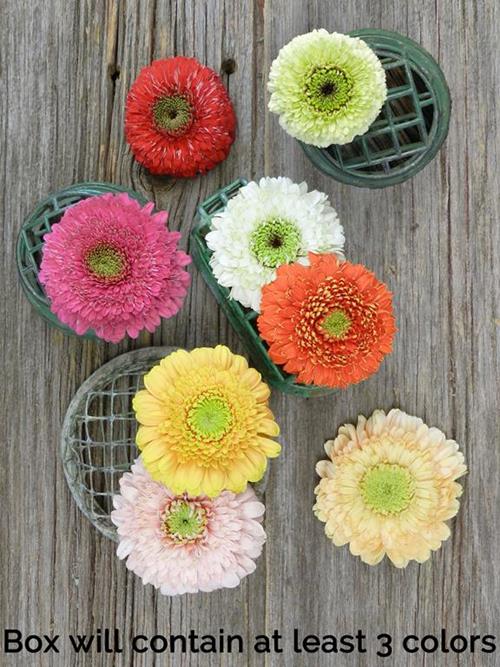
column 13, row 643
column 444, row 649
column 276, row 637
column 161, row 640
column 473, row 640
column 81, row 643
column 385, row 643
column 182, row 641
column 235, row 638
column 489, row 645
column 453, row 644
column 208, row 644
column 28, row 643
column 51, row 644
column 406, row 644
column 361, row 641
column 346, row 644
column 296, row 643
column 311, row 643
column 434, row 643
column 329, row 644
column 135, row 648
column 262, row 644
column 193, row 642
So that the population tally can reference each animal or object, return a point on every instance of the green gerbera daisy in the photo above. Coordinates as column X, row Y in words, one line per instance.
column 326, row 87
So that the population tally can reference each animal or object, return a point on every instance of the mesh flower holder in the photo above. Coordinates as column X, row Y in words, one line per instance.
column 98, row 435
column 410, row 128
column 243, row 320
column 30, row 241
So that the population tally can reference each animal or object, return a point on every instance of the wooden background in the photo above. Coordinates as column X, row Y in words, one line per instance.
column 65, row 71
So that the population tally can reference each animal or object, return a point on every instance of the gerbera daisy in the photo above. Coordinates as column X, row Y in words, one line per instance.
column 388, row 488
column 112, row 266
column 265, row 225
column 330, row 323
column 205, row 422
column 326, row 87
column 185, row 544
column 179, row 119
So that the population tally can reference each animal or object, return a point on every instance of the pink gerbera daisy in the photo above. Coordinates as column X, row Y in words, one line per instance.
column 185, row 544
column 112, row 266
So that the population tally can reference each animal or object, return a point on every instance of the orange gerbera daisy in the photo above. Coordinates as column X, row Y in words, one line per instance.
column 330, row 323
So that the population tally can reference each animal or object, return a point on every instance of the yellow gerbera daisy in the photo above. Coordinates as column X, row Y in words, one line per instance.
column 388, row 488
column 205, row 422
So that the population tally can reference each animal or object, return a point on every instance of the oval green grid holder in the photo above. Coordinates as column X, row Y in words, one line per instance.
column 243, row 320
column 410, row 128
column 30, row 242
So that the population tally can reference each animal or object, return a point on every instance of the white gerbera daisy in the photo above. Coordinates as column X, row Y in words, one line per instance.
column 265, row 225
column 326, row 88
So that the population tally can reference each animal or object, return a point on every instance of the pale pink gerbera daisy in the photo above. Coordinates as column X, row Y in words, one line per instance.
column 185, row 544
column 112, row 266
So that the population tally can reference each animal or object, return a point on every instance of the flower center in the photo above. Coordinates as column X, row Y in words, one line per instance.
column 172, row 113
column 105, row 261
column 387, row 488
column 328, row 88
column 210, row 418
column 275, row 241
column 184, row 521
column 336, row 324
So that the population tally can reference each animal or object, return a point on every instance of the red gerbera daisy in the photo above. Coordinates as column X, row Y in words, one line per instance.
column 179, row 119
column 330, row 323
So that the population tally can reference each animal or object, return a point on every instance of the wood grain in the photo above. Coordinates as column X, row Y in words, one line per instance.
column 65, row 71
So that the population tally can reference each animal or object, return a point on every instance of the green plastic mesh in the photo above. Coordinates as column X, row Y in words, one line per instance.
column 411, row 126
column 98, row 438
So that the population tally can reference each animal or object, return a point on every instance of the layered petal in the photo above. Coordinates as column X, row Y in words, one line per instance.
column 184, row 544
column 330, row 323
column 112, row 266
column 384, row 488
column 205, row 424
column 326, row 87
column 179, row 119
column 267, row 224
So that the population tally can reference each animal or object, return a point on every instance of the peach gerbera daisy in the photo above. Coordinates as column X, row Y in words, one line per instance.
column 205, row 422
column 330, row 323
column 388, row 488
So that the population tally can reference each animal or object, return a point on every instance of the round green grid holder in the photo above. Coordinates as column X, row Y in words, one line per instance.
column 410, row 128
column 30, row 242
column 98, row 434
column 243, row 320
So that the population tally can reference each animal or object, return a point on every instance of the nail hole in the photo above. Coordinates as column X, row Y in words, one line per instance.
column 228, row 66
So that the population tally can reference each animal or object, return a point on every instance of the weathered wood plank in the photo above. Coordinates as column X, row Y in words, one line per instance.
column 65, row 71
column 433, row 241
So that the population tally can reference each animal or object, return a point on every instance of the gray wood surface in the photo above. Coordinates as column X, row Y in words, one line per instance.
column 66, row 67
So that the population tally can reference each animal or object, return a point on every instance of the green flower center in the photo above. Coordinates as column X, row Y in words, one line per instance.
column 105, row 261
column 172, row 113
column 275, row 241
column 184, row 521
column 387, row 488
column 328, row 89
column 336, row 324
column 210, row 418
